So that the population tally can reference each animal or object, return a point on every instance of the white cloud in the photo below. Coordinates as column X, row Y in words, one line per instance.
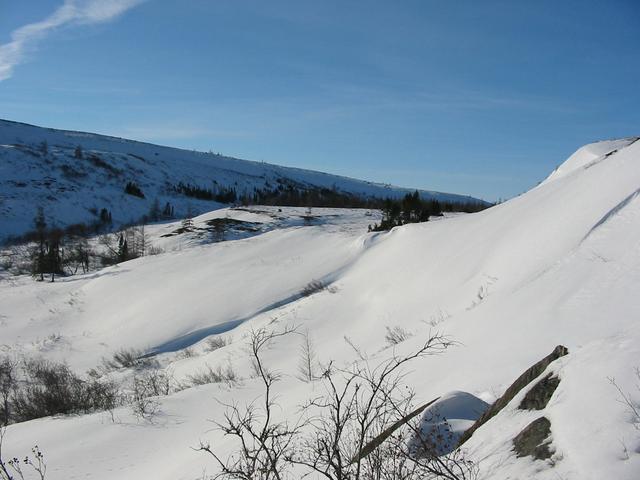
column 81, row 12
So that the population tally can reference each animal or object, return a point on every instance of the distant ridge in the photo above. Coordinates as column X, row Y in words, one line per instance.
column 38, row 167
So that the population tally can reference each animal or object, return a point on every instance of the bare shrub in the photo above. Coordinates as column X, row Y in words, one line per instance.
column 147, row 385
column 350, row 436
column 155, row 250
column 8, row 383
column 263, row 443
column 155, row 382
column 632, row 406
column 187, row 353
column 396, row 335
column 12, row 469
column 128, row 358
column 314, row 286
column 214, row 343
column 218, row 375
column 52, row 388
column 307, row 361
column 357, row 430
column 143, row 405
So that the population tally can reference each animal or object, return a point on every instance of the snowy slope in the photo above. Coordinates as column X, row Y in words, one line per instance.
column 557, row 265
column 72, row 190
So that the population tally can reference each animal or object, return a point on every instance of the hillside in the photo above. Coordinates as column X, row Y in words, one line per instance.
column 558, row 265
column 38, row 167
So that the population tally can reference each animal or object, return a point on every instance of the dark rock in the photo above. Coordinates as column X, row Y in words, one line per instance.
column 522, row 381
column 534, row 440
column 538, row 397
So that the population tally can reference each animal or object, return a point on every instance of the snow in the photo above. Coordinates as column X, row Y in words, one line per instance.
column 588, row 155
column 559, row 264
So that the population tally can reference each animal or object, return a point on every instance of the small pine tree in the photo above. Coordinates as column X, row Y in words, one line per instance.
column 105, row 217
column 187, row 223
column 167, row 212
column 39, row 256
column 123, row 249
column 78, row 152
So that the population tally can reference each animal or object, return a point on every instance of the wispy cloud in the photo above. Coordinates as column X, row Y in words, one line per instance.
column 71, row 12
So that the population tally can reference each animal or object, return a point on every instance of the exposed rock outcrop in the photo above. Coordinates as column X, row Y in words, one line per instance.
column 522, row 381
column 540, row 394
column 534, row 440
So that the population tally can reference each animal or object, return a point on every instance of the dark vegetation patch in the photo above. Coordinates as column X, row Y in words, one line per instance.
column 133, row 189
column 232, row 223
column 28, row 149
column 99, row 162
column 71, row 173
column 219, row 227
column 221, row 194
column 36, row 388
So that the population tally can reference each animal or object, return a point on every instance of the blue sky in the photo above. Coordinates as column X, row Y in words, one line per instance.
column 476, row 97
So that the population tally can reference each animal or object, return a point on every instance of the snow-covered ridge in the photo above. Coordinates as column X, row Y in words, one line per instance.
column 588, row 155
column 71, row 190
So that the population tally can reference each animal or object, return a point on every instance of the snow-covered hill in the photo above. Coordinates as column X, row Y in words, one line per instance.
column 74, row 190
column 559, row 264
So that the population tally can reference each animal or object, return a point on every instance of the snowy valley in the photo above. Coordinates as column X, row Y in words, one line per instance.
column 495, row 290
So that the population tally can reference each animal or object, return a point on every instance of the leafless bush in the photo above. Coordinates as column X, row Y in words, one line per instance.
column 8, row 384
column 128, row 358
column 214, row 343
column 143, row 405
column 218, row 375
column 632, row 406
column 155, row 250
column 357, row 430
column 360, row 425
column 187, row 353
column 307, row 362
column 155, row 382
column 396, row 335
column 148, row 384
column 263, row 443
column 12, row 469
column 314, row 286
column 50, row 388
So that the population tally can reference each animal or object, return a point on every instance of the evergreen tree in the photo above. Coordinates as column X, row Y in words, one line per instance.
column 123, row 249
column 39, row 257
column 53, row 263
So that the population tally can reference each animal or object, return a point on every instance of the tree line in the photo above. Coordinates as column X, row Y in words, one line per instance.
column 52, row 251
column 413, row 209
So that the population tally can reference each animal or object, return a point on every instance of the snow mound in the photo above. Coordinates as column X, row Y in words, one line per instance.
column 444, row 421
